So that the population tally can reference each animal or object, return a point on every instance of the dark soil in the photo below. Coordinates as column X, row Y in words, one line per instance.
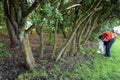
column 12, row 65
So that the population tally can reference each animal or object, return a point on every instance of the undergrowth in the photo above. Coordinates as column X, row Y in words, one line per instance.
column 3, row 50
column 93, row 67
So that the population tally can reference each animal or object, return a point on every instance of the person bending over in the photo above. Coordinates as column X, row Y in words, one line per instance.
column 108, row 38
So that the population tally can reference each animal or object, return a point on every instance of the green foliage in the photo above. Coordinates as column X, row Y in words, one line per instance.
column 48, row 14
column 36, row 17
column 51, row 13
column 106, row 26
column 67, row 26
column 82, row 49
column 2, row 19
column 108, row 18
column 33, row 74
column 47, row 10
column 3, row 50
column 91, row 52
column 87, row 2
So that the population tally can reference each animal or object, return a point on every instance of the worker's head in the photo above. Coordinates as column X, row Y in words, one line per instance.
column 100, row 36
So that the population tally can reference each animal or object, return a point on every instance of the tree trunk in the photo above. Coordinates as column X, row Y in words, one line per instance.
column 13, row 37
column 39, row 30
column 16, row 12
column 74, row 42
column 83, row 30
column 26, row 49
column 41, row 42
column 10, row 21
column 55, row 40
column 93, row 26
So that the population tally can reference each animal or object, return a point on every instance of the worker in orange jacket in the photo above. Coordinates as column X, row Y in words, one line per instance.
column 108, row 38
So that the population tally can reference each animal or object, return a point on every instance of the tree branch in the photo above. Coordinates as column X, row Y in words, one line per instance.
column 30, row 28
column 74, row 5
column 7, row 14
column 33, row 6
column 70, row 5
column 74, row 32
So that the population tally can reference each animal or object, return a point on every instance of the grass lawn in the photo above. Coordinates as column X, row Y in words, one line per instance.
column 107, row 68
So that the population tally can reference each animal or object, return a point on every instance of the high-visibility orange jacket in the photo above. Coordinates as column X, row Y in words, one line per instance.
column 107, row 36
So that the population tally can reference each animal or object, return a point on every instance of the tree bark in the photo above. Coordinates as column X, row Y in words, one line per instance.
column 39, row 30
column 25, row 45
column 41, row 42
column 55, row 40
column 10, row 21
column 74, row 42
column 13, row 37
column 93, row 26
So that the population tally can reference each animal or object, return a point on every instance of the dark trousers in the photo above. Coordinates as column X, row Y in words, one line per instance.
column 108, row 46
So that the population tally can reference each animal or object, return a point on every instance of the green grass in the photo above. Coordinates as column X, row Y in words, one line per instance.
column 96, row 67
